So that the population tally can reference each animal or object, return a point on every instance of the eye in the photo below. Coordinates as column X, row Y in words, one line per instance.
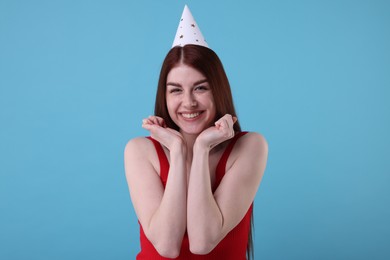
column 201, row 88
column 175, row 90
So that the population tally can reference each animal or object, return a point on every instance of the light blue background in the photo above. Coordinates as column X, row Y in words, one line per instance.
column 77, row 77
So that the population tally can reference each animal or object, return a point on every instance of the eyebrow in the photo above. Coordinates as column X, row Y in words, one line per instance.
column 195, row 83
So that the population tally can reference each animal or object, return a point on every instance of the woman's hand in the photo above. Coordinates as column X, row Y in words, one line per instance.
column 222, row 131
column 168, row 137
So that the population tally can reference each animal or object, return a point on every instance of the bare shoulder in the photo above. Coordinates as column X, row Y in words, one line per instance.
column 252, row 142
column 250, row 149
column 139, row 144
column 140, row 150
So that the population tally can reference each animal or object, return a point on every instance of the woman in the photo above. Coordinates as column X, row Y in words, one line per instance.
column 193, row 181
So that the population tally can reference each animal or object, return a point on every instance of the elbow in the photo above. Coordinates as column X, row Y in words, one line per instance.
column 167, row 244
column 202, row 243
column 202, row 248
column 167, row 250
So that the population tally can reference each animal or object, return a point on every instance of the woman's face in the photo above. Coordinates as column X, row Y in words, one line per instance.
column 189, row 99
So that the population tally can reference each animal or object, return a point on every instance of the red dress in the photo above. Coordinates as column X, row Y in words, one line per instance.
column 232, row 246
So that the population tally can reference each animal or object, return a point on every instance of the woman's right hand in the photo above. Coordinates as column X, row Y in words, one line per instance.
column 168, row 137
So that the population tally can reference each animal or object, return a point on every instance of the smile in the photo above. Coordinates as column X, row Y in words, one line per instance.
column 190, row 115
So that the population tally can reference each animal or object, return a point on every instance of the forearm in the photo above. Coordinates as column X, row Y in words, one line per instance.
column 204, row 218
column 168, row 224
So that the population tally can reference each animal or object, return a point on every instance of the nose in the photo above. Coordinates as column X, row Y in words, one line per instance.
column 190, row 100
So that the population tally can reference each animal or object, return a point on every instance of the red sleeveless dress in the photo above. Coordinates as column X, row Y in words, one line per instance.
column 233, row 246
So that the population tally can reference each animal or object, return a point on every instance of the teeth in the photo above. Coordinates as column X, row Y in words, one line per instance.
column 192, row 115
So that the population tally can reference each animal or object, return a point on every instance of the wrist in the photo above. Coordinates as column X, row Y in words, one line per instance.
column 199, row 146
column 178, row 150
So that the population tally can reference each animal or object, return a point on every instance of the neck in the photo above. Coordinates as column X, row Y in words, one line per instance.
column 190, row 140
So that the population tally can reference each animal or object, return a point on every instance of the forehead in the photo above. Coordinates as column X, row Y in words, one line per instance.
column 184, row 74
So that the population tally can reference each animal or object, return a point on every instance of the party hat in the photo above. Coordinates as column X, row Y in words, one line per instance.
column 188, row 31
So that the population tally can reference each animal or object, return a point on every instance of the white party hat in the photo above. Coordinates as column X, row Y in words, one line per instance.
column 188, row 31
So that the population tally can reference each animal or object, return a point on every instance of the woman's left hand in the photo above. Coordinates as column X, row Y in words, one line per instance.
column 222, row 131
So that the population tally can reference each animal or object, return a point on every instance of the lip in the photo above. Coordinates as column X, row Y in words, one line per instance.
column 190, row 112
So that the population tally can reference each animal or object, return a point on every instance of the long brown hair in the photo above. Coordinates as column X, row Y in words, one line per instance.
column 208, row 63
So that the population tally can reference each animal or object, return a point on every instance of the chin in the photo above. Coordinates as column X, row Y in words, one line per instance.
column 192, row 130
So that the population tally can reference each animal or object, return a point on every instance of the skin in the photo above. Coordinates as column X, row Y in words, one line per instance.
column 188, row 203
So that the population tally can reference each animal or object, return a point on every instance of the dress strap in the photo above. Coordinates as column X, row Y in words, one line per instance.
column 221, row 167
column 162, row 158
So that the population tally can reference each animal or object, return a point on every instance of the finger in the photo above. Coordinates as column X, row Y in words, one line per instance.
column 147, row 126
column 218, row 124
column 228, row 118
column 231, row 119
column 153, row 119
column 227, row 125
column 231, row 122
column 222, row 124
column 145, row 122
column 160, row 121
